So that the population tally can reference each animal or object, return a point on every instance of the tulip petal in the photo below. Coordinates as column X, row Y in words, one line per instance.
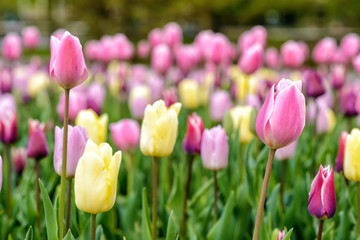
column 328, row 194
column 315, row 206
column 165, row 132
column 264, row 115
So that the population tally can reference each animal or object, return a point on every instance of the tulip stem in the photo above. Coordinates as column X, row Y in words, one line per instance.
column 358, row 209
column 68, row 206
column 93, row 226
column 263, row 194
column 130, row 174
column 321, row 224
column 9, row 174
column 63, row 167
column 215, row 198
column 155, row 195
column 37, row 169
column 187, row 190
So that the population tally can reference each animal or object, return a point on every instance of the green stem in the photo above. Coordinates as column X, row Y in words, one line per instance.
column 155, row 196
column 263, row 194
column 37, row 169
column 321, row 224
column 68, row 206
column 93, row 226
column 63, row 167
column 9, row 177
column 215, row 198
column 130, row 174
column 187, row 190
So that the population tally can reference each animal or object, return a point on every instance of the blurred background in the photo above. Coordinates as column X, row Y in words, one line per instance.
column 307, row 20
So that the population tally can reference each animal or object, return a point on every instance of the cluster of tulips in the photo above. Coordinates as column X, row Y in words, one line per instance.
column 191, row 101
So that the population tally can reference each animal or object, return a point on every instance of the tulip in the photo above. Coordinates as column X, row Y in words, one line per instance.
column 338, row 76
column 37, row 83
column 282, row 117
column 143, row 49
column 314, row 86
column 170, row 96
column 192, row 140
column 125, row 134
column 161, row 58
column 286, row 153
column 240, row 116
column 339, row 162
column 8, row 125
column 96, row 178
column 155, row 37
column 356, row 63
column 96, row 126
column 138, row 100
column 272, row 58
column 20, row 159
column 95, row 97
column 350, row 45
column 324, row 50
column 67, row 65
column 37, row 145
column 325, row 119
column 352, row 156
column 77, row 103
column 77, row 138
column 277, row 234
column 31, row 36
column 6, row 80
column 217, row 51
column 348, row 99
column 339, row 57
column 172, row 34
column 92, row 49
column 124, row 49
column 220, row 103
column 187, row 57
column 252, row 59
column 156, row 84
column 203, row 40
column 189, row 93
column 11, row 47
column 292, row 54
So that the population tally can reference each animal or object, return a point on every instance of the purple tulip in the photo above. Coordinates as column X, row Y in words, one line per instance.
column 322, row 199
column 125, row 134
column 282, row 117
column 252, row 59
column 11, row 46
column 192, row 140
column 348, row 100
column 314, row 86
column 339, row 162
column 161, row 58
column 214, row 148
column 220, row 103
column 31, row 36
column 77, row 138
column 37, row 144
column 67, row 64
column 20, row 159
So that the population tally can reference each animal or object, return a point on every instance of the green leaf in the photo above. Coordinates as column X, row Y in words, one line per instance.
column 69, row 236
column 99, row 232
column 50, row 219
column 29, row 234
column 220, row 229
column 171, row 227
column 145, row 219
column 288, row 235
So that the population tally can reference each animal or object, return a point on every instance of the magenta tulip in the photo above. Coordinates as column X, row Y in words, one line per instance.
column 31, row 37
column 314, row 86
column 348, row 100
column 192, row 140
column 6, row 80
column 292, row 54
column 324, row 50
column 322, row 199
column 11, row 47
column 37, row 144
column 282, row 117
column 252, row 59
column 339, row 162
column 214, row 148
column 125, row 134
column 161, row 58
column 20, row 159
column 8, row 123
column 220, row 103
column 170, row 96
column 67, row 65
column 77, row 138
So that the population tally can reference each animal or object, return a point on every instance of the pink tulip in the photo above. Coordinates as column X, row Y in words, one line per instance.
column 260, row 35
column 161, row 58
column 95, row 97
column 292, row 54
column 187, row 57
column 350, row 45
column 59, row 33
column 252, row 59
column 339, row 57
column 338, row 76
column 143, row 49
column 8, row 119
column 20, row 159
column 77, row 138
column 325, row 119
column 6, row 80
column 282, row 117
column 348, row 100
column 217, row 51
column 11, row 46
column 37, row 144
column 170, row 96
column 155, row 37
column 192, row 140
column 106, row 53
column 125, row 134
column 324, row 50
column 31, row 37
column 322, row 198
column 93, row 50
column 356, row 63
column 172, row 34
column 339, row 162
column 314, row 86
column 272, row 58
column 281, row 235
column 123, row 48
column 67, row 65
column 220, row 103
column 246, row 40
column 214, row 148
column 287, row 152
column 202, row 41
column 77, row 102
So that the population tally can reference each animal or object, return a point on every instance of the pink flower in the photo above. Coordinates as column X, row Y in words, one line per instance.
column 6, row 80
column 31, row 37
column 161, row 58
column 192, row 140
column 95, row 97
column 37, row 144
column 11, row 46
column 143, row 49
column 77, row 102
column 202, row 41
column 187, row 57
column 67, row 65
column 272, row 58
column 123, row 48
column 350, row 45
column 356, row 63
column 338, row 76
column 155, row 37
column 217, row 50
column 293, row 54
column 339, row 162
column 20, row 159
column 8, row 119
column 324, row 50
column 125, row 134
column 93, row 50
column 322, row 199
column 287, row 152
column 252, row 59
column 314, row 86
column 220, row 103
column 172, row 34
column 282, row 117
column 170, row 96
column 281, row 235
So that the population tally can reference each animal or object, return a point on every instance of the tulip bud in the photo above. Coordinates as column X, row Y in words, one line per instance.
column 125, row 134
column 314, row 86
column 31, row 36
column 20, row 159
column 96, row 126
column 192, row 140
column 252, row 59
column 159, row 129
column 324, row 50
column 339, row 162
column 338, row 76
column 189, row 93
column 161, row 58
column 220, row 103
column 287, row 152
column 95, row 97
column 67, row 65
column 322, row 199
column 277, row 234
column 37, row 144
column 138, row 100
column 282, row 117
column 77, row 102
column 240, row 116
column 77, row 138
column 11, row 46
column 214, row 148
column 96, row 178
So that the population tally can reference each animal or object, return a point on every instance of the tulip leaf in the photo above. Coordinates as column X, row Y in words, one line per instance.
column 69, row 236
column 220, row 229
column 272, row 202
column 50, row 219
column 145, row 222
column 99, row 232
column 288, row 235
column 29, row 234
column 171, row 227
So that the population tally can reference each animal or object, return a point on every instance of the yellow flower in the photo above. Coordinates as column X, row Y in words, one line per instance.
column 189, row 93
column 37, row 83
column 205, row 89
column 96, row 178
column 352, row 156
column 159, row 129
column 241, row 116
column 96, row 127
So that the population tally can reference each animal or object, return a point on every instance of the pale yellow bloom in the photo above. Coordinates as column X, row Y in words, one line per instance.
column 96, row 127
column 189, row 93
column 159, row 129
column 96, row 178
column 352, row 156
column 332, row 119
column 241, row 116
column 140, row 91
column 205, row 89
column 37, row 83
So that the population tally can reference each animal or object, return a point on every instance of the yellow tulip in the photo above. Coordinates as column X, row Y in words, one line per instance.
column 159, row 129
column 352, row 156
column 96, row 127
column 241, row 116
column 96, row 178
column 205, row 89
column 189, row 93
column 37, row 83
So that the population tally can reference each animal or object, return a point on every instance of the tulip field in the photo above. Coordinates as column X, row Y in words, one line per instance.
column 166, row 139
